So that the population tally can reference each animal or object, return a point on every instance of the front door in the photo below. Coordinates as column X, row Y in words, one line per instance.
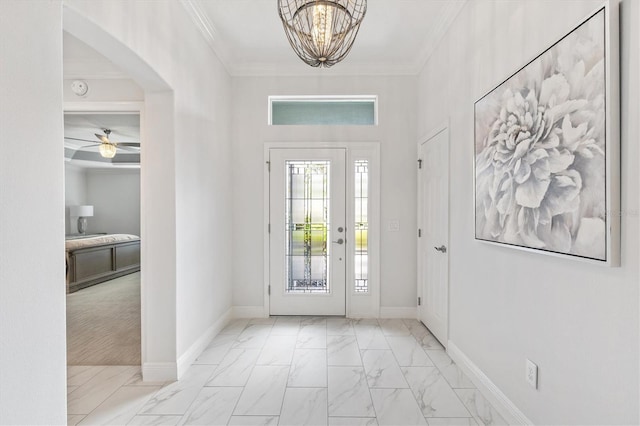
column 307, row 239
column 433, row 256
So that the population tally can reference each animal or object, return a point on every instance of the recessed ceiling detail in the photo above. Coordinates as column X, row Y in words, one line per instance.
column 85, row 135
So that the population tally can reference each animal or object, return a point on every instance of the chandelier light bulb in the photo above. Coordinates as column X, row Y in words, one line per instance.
column 107, row 150
column 322, row 28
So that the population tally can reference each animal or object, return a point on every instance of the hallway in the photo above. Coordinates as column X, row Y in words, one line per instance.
column 293, row 371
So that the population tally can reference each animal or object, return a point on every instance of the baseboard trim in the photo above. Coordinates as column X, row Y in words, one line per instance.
column 159, row 371
column 361, row 315
column 388, row 312
column 496, row 397
column 249, row 312
column 186, row 359
column 385, row 312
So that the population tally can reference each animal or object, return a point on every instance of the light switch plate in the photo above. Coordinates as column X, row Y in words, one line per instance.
column 394, row 225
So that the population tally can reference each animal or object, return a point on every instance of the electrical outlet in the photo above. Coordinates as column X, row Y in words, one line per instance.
column 394, row 226
column 532, row 374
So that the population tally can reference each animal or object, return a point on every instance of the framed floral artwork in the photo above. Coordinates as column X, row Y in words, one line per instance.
column 547, row 149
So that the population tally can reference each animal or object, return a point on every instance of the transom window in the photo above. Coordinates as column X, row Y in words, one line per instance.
column 323, row 110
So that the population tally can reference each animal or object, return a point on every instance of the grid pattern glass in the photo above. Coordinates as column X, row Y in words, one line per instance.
column 361, row 226
column 307, row 226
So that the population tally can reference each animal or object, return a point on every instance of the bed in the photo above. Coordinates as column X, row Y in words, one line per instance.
column 96, row 259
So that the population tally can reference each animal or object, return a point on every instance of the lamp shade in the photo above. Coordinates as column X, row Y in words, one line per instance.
column 81, row 211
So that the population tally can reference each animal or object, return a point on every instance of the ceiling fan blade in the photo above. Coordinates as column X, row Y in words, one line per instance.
column 134, row 144
column 77, row 139
column 128, row 148
column 103, row 138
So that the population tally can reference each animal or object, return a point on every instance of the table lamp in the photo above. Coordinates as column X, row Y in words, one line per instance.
column 82, row 212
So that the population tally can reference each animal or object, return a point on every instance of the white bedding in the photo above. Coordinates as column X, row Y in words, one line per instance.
column 98, row 241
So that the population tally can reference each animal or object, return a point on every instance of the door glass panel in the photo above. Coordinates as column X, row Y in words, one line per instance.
column 307, row 227
column 361, row 226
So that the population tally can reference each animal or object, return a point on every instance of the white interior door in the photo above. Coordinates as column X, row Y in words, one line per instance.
column 433, row 255
column 307, row 239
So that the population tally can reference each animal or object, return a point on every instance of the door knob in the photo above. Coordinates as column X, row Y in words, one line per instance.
column 340, row 229
column 441, row 249
column 340, row 241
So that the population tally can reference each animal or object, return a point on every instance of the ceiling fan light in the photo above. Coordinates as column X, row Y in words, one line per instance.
column 321, row 32
column 107, row 150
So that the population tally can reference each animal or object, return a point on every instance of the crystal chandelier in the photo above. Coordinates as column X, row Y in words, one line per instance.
column 321, row 32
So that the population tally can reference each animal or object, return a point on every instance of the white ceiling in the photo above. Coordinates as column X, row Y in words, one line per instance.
column 125, row 127
column 396, row 36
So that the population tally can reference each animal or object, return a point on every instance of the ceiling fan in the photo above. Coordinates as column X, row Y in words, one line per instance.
column 107, row 147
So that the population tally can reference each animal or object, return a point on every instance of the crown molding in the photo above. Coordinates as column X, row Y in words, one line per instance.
column 202, row 21
column 344, row 69
column 253, row 69
column 206, row 28
column 449, row 14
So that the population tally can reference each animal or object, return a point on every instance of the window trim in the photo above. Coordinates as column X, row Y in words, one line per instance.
column 321, row 98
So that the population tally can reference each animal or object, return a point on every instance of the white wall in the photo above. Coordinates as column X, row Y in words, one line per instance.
column 105, row 90
column 32, row 296
column 115, row 197
column 577, row 321
column 186, row 167
column 75, row 194
column 186, row 92
column 397, row 137
column 114, row 193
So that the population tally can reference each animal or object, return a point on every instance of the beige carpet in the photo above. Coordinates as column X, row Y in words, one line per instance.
column 103, row 323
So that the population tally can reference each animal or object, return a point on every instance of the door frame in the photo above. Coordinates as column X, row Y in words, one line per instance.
column 442, row 127
column 123, row 107
column 358, row 305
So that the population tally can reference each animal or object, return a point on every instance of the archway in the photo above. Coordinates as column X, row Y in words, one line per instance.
column 158, row 247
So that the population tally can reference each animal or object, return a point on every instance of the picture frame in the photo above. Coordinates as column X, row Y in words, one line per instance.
column 546, row 149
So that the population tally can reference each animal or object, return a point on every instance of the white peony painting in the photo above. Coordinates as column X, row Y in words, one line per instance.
column 540, row 169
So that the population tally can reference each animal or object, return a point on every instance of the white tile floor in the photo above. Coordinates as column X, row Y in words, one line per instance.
column 293, row 371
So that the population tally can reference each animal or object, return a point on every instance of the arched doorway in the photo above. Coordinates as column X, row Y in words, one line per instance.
column 157, row 182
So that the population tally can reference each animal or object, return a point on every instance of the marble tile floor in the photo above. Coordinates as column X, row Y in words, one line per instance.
column 293, row 371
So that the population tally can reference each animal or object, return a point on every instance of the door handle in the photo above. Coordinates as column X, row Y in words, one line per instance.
column 441, row 249
column 340, row 241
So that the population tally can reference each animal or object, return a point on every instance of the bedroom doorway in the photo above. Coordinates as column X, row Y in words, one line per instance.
column 156, row 106
column 102, row 146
